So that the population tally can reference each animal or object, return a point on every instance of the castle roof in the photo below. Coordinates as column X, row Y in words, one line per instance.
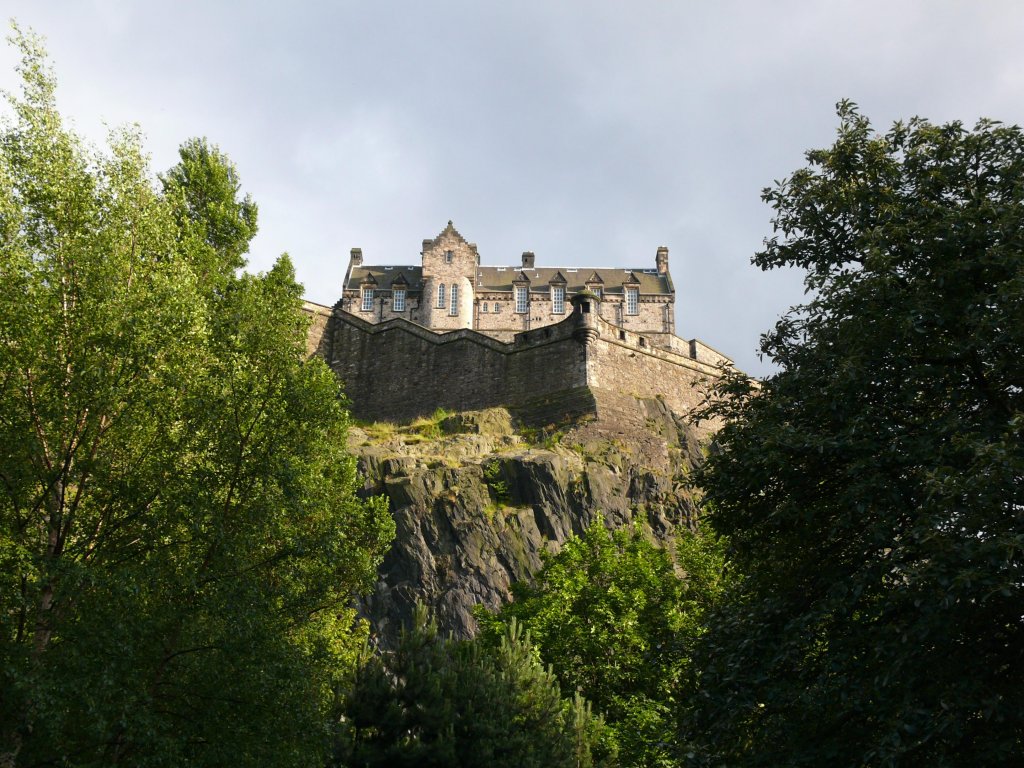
column 385, row 276
column 500, row 279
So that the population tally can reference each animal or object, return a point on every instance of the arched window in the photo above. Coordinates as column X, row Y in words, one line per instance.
column 440, row 296
column 453, row 308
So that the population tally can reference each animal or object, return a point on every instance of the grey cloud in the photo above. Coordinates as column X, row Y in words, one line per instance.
column 589, row 132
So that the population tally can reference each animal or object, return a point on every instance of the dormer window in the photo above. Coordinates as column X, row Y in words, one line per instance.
column 440, row 296
column 367, row 305
column 558, row 299
column 632, row 301
column 398, row 300
column 522, row 299
column 453, row 308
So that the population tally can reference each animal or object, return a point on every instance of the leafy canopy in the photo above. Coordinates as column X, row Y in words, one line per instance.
column 438, row 702
column 873, row 489
column 179, row 532
column 617, row 624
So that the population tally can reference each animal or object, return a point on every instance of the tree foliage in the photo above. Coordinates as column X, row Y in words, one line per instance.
column 617, row 624
column 179, row 534
column 438, row 702
column 873, row 489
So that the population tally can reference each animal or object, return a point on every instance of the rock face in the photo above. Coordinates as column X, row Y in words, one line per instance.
column 476, row 502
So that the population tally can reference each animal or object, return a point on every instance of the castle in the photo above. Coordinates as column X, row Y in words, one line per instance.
column 545, row 342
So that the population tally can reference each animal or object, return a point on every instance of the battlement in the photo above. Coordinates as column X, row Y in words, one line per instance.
column 397, row 370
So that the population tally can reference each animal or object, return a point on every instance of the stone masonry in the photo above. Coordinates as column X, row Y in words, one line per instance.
column 397, row 370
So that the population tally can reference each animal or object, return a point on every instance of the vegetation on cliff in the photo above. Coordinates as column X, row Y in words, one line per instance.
column 446, row 702
column 617, row 618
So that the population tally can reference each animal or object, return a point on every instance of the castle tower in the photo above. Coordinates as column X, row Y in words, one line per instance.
column 449, row 276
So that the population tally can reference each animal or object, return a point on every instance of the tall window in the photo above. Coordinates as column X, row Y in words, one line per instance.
column 440, row 295
column 453, row 308
column 497, row 307
column 367, row 299
column 522, row 299
column 448, row 257
column 398, row 300
column 558, row 299
column 483, row 307
column 632, row 301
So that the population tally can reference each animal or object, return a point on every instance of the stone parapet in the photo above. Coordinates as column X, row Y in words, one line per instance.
column 398, row 370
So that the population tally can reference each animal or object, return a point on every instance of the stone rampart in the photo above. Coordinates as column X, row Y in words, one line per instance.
column 398, row 370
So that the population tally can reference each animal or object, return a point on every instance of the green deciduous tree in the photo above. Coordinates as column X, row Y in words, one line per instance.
column 873, row 490
column 616, row 622
column 179, row 534
column 438, row 702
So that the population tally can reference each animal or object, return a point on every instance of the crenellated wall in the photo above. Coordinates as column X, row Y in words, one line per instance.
column 398, row 370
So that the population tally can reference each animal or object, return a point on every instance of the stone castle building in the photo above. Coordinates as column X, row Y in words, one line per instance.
column 450, row 289
column 547, row 342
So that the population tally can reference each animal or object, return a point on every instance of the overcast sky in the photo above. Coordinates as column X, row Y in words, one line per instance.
column 588, row 132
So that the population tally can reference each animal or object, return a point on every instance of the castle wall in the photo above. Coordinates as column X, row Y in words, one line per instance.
column 395, row 371
column 317, row 338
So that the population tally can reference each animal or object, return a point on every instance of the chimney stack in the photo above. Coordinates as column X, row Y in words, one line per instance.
column 528, row 258
column 356, row 257
column 662, row 260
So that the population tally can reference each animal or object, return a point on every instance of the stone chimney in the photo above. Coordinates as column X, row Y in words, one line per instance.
column 662, row 260
column 528, row 258
column 356, row 257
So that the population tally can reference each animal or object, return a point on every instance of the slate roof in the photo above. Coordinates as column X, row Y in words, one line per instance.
column 385, row 276
column 500, row 278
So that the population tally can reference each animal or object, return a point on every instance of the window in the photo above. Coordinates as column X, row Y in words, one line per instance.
column 367, row 299
column 483, row 307
column 453, row 307
column 632, row 301
column 497, row 307
column 558, row 299
column 398, row 300
column 522, row 299
column 448, row 257
column 440, row 296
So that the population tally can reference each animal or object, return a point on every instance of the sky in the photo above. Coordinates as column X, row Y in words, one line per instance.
column 589, row 132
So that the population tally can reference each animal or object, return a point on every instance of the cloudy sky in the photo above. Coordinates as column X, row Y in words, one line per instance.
column 588, row 132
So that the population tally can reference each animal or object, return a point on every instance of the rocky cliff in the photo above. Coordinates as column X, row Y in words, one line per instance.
column 477, row 500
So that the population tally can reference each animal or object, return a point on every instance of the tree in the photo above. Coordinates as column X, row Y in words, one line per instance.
column 212, row 223
column 179, row 532
column 873, row 489
column 617, row 624
column 438, row 702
